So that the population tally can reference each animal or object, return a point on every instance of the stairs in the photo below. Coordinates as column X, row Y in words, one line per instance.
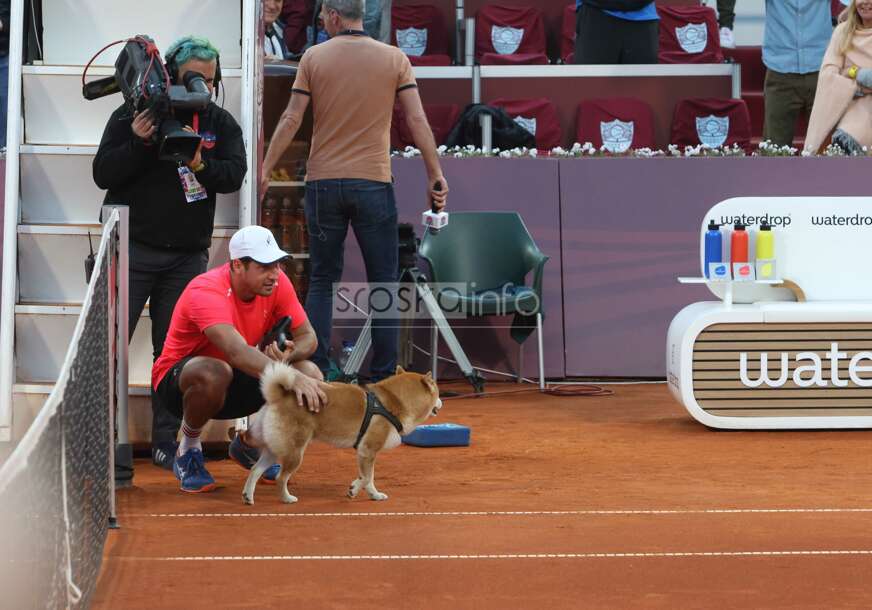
column 59, row 203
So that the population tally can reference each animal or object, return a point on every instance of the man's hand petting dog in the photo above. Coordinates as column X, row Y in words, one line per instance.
column 310, row 392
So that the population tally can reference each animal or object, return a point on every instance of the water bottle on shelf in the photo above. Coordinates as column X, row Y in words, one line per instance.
column 345, row 355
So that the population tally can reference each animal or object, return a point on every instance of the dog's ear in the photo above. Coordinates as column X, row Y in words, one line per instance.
column 399, row 370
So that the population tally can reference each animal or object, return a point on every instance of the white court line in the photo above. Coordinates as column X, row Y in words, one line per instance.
column 499, row 556
column 529, row 513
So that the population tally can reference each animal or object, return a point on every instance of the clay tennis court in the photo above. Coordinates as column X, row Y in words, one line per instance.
column 560, row 502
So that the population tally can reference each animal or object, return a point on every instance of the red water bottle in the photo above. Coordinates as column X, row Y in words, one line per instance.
column 739, row 244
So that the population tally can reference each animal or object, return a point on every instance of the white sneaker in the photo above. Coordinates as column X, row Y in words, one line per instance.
column 727, row 40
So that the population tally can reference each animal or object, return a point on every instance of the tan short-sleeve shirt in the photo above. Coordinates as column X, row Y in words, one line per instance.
column 353, row 81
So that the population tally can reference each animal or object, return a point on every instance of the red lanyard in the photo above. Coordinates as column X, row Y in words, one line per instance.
column 197, row 123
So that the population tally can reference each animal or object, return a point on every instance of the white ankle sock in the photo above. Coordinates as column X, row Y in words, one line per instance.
column 190, row 438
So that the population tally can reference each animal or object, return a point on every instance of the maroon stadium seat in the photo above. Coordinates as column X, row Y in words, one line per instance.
column 619, row 123
column 538, row 116
column 689, row 35
column 712, row 122
column 509, row 35
column 418, row 29
column 442, row 118
column 567, row 35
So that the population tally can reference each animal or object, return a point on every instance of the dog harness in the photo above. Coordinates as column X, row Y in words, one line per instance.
column 375, row 407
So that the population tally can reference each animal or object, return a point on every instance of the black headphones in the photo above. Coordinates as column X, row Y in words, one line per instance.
column 173, row 69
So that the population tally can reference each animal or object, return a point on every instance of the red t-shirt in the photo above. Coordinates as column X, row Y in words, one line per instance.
column 209, row 300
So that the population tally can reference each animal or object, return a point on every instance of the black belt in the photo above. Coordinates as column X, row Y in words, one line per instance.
column 375, row 407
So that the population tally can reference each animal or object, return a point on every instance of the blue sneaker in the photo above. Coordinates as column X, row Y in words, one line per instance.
column 247, row 456
column 190, row 469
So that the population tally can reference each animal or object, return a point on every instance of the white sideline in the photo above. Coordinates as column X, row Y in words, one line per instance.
column 532, row 513
column 678, row 554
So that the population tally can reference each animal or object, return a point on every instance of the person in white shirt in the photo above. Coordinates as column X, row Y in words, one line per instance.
column 273, row 33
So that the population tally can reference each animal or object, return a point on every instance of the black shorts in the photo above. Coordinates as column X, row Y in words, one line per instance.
column 243, row 395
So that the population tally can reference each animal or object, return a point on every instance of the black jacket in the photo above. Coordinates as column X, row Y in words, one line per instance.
column 4, row 33
column 160, row 217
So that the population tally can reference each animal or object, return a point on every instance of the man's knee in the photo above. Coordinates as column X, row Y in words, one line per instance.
column 310, row 369
column 207, row 376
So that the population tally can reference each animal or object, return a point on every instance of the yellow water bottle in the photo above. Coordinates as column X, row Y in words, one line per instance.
column 765, row 252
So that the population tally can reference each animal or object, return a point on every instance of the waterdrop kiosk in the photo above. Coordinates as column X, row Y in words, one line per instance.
column 793, row 350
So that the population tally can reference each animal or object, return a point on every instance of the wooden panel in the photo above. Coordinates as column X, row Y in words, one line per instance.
column 719, row 390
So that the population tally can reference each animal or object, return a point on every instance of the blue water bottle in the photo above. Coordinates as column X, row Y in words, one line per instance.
column 714, row 246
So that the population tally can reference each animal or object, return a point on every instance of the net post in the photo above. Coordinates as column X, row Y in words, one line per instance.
column 123, row 450
column 112, row 329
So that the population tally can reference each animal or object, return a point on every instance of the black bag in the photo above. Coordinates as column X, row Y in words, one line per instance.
column 506, row 133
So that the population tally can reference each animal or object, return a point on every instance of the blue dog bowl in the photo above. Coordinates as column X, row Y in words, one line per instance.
column 438, row 435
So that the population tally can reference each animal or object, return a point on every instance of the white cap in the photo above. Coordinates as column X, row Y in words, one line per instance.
column 256, row 243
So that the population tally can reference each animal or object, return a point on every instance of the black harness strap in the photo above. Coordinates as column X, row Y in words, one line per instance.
column 375, row 407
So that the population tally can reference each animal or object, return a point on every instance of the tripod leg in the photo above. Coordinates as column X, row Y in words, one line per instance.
column 361, row 347
column 434, row 348
column 442, row 325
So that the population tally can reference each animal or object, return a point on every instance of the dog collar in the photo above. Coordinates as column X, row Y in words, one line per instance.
column 375, row 407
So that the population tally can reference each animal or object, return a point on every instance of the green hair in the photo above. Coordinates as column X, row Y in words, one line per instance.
column 191, row 47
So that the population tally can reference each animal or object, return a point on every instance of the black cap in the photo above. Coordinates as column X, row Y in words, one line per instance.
column 765, row 226
column 739, row 226
column 712, row 226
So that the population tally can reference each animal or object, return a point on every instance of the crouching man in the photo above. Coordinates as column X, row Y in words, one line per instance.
column 209, row 369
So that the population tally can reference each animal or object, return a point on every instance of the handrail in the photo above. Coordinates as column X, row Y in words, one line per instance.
column 9, row 290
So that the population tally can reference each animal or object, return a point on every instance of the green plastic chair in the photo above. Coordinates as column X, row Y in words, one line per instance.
column 488, row 255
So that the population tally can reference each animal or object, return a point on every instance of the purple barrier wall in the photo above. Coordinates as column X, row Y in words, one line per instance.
column 631, row 226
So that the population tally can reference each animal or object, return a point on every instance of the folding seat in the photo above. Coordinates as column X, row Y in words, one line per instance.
column 617, row 123
column 567, row 35
column 538, row 116
column 509, row 35
column 711, row 122
column 689, row 35
column 442, row 118
column 419, row 30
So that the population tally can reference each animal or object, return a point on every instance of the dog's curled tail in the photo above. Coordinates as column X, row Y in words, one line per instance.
column 277, row 381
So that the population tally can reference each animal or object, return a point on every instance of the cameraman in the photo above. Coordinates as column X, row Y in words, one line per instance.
column 170, row 230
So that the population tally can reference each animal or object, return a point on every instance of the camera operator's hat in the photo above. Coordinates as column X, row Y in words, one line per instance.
column 256, row 243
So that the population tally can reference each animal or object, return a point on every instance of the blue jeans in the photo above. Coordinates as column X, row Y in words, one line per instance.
column 371, row 209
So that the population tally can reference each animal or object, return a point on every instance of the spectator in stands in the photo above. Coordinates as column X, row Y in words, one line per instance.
column 273, row 31
column 794, row 40
column 844, row 91
column 170, row 225
column 726, row 20
column 4, row 69
column 616, row 32
column 353, row 83
column 209, row 369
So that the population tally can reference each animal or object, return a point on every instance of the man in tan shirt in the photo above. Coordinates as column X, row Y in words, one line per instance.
column 352, row 82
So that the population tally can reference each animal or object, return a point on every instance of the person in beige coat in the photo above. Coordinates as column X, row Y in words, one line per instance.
column 843, row 102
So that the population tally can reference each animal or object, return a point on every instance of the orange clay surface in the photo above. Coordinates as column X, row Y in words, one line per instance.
column 560, row 502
